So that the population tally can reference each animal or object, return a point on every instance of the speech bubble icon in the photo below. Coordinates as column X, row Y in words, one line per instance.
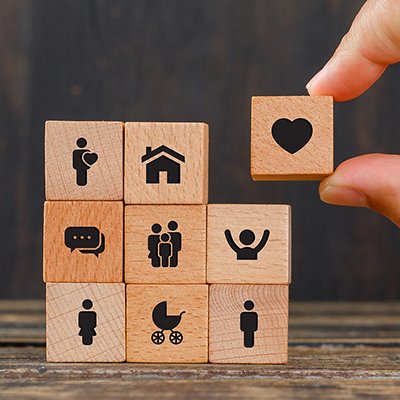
column 97, row 250
column 82, row 237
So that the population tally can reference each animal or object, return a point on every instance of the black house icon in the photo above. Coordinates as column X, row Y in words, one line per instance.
column 162, row 159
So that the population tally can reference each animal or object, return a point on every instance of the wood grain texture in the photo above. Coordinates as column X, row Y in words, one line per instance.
column 141, row 300
column 191, row 222
column 60, row 264
column 63, row 305
column 105, row 176
column 273, row 264
column 226, row 343
column 269, row 161
column 189, row 140
column 336, row 351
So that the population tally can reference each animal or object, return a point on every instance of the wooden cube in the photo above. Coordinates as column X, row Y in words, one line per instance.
column 165, row 244
column 85, row 322
column 83, row 160
column 166, row 163
column 167, row 323
column 83, row 241
column 291, row 138
column 249, row 243
column 248, row 324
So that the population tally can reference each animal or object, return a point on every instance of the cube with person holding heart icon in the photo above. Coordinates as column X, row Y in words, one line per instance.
column 291, row 137
column 84, row 160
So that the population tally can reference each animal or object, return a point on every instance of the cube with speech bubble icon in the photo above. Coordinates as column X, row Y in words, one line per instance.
column 87, row 239
column 83, row 241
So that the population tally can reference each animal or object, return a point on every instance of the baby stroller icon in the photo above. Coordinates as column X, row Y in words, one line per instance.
column 166, row 323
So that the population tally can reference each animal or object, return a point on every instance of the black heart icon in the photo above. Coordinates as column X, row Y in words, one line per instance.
column 90, row 158
column 292, row 135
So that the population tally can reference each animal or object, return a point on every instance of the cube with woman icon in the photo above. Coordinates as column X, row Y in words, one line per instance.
column 85, row 322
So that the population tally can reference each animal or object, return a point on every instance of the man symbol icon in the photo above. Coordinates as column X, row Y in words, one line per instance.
column 248, row 324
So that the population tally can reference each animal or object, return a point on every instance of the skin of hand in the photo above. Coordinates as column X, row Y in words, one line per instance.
column 372, row 43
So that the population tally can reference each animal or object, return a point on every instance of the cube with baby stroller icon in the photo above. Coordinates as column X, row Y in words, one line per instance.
column 166, row 323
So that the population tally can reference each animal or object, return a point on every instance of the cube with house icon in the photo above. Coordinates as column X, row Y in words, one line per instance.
column 166, row 163
column 162, row 160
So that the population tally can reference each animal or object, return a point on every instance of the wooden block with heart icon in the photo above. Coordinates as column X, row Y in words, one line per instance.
column 249, row 244
column 84, row 160
column 291, row 137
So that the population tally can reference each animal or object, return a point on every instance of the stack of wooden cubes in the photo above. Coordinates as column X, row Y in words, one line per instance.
column 140, row 268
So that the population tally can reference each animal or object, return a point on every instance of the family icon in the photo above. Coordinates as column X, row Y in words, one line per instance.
column 164, row 246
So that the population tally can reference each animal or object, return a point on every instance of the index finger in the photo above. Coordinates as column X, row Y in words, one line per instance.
column 372, row 43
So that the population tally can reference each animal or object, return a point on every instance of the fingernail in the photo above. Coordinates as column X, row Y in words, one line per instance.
column 343, row 196
column 312, row 80
column 317, row 77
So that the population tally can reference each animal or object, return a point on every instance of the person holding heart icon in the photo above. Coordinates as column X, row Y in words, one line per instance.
column 82, row 161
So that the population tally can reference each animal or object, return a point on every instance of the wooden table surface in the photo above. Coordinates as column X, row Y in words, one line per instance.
column 336, row 351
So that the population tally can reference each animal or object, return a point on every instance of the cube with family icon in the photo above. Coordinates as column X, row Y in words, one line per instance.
column 165, row 244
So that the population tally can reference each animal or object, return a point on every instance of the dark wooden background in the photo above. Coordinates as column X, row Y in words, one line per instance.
column 191, row 60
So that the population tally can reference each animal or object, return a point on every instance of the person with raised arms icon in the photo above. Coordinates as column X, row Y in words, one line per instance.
column 247, row 237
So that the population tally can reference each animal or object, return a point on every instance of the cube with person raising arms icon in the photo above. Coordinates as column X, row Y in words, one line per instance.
column 248, row 243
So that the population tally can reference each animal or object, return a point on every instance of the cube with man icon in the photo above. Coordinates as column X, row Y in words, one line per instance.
column 248, row 324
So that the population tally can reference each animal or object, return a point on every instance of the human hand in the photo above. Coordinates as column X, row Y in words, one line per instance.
column 372, row 43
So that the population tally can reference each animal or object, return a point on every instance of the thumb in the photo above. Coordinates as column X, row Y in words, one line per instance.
column 371, row 181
